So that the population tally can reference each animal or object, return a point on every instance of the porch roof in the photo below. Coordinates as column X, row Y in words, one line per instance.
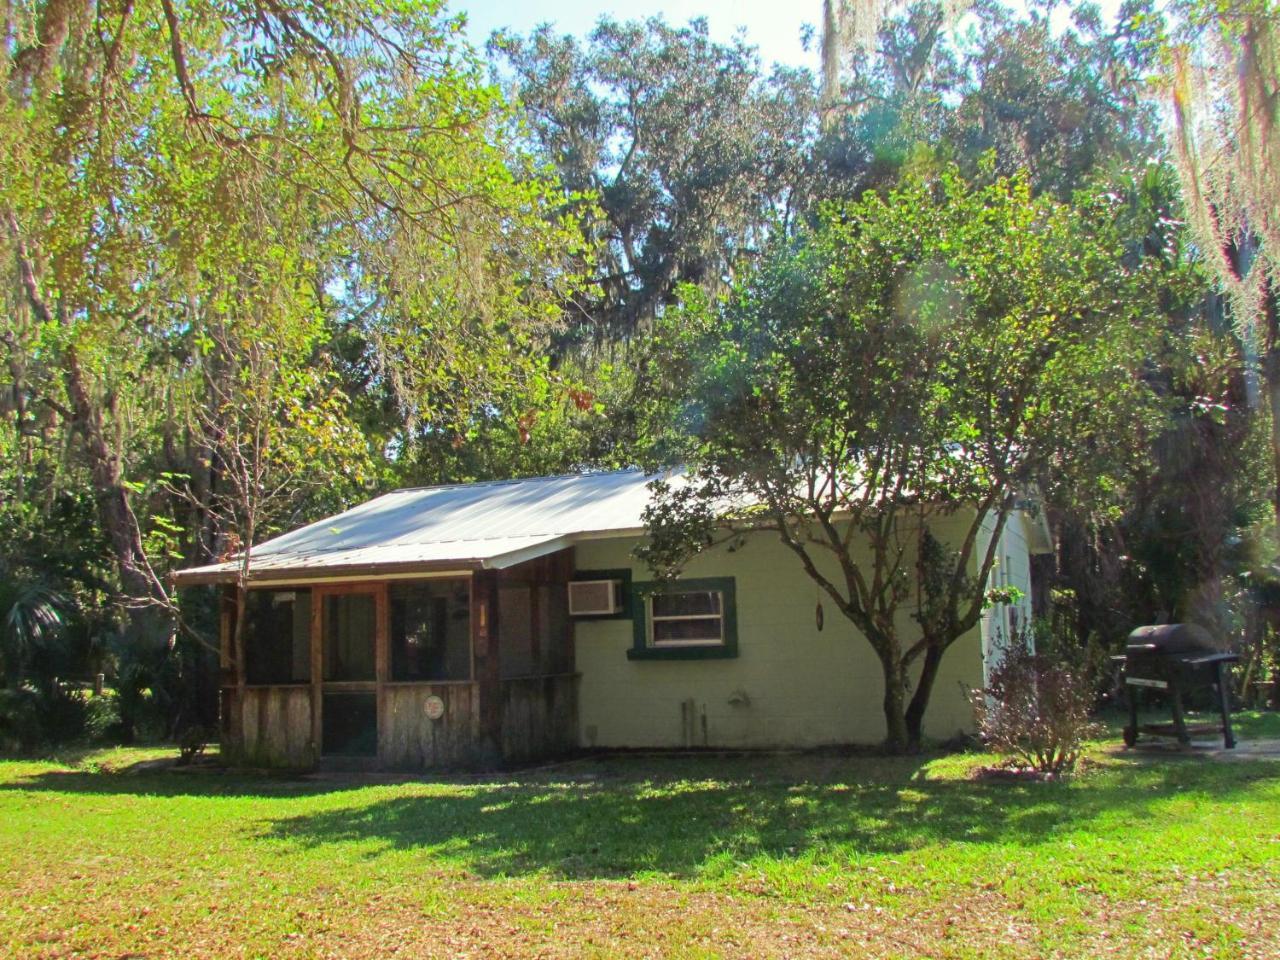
column 458, row 527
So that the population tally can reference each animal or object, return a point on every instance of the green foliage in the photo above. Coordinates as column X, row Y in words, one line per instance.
column 253, row 254
column 1055, row 98
column 932, row 350
column 102, row 717
column 32, row 618
column 250, row 282
column 20, row 721
column 676, row 154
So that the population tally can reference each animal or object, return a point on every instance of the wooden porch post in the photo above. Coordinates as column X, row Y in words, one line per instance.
column 382, row 665
column 317, row 669
column 485, row 634
column 230, row 675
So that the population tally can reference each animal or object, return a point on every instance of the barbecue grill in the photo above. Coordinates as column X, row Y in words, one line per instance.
column 1176, row 658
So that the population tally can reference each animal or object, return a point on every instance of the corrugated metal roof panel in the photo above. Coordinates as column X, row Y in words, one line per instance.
column 479, row 525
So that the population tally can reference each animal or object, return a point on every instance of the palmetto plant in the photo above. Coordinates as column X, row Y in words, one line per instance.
column 32, row 616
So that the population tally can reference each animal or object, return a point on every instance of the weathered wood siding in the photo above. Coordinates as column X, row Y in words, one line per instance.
column 269, row 727
column 487, row 720
column 408, row 739
column 539, row 717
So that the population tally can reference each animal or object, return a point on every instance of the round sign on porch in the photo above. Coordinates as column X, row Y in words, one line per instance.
column 433, row 706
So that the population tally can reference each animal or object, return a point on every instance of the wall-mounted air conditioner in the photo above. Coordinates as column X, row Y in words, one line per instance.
column 594, row 598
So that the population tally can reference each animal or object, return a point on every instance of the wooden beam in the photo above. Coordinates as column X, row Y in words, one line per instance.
column 485, row 634
column 317, row 669
column 382, row 663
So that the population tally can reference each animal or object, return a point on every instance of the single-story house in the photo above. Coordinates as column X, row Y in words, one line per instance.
column 508, row 621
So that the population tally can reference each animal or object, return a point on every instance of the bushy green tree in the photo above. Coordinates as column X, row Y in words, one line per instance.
column 186, row 183
column 921, row 359
column 678, row 155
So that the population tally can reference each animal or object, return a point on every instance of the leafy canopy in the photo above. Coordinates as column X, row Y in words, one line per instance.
column 924, row 355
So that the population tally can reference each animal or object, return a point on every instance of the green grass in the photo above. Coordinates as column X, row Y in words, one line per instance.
column 691, row 857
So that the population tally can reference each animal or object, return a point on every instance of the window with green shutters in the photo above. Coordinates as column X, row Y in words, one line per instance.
column 685, row 620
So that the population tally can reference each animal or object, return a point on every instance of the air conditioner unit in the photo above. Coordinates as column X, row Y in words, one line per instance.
column 594, row 598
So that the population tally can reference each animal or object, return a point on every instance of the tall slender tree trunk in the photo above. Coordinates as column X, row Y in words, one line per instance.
column 897, row 738
column 118, row 520
column 1271, row 383
column 920, row 698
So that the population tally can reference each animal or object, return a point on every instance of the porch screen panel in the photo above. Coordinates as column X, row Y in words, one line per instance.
column 277, row 641
column 350, row 623
column 515, row 631
column 349, row 725
column 553, row 616
column 431, row 630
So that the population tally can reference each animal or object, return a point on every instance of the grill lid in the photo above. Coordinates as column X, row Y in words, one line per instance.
column 1171, row 639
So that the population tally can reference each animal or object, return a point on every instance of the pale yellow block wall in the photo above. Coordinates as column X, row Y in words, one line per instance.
column 1013, row 568
column 803, row 687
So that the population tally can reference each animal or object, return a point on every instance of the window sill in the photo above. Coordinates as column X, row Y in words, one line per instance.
column 709, row 652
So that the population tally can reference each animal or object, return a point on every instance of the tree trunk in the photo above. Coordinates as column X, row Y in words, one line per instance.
column 238, row 659
column 136, row 576
column 118, row 520
column 897, row 739
column 1271, row 383
column 920, row 699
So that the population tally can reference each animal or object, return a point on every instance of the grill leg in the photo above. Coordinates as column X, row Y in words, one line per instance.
column 1224, row 701
column 1131, row 731
column 1179, row 723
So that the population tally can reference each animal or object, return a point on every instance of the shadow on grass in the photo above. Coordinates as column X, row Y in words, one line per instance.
column 688, row 817
column 687, row 828
column 174, row 782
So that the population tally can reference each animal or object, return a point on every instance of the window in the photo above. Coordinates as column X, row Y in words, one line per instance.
column 431, row 630
column 277, row 637
column 687, row 620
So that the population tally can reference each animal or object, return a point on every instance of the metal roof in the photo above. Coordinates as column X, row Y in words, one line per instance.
column 457, row 527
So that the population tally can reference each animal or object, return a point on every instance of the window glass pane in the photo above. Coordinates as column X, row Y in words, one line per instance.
column 675, row 631
column 348, row 637
column 277, row 640
column 686, row 604
column 431, row 630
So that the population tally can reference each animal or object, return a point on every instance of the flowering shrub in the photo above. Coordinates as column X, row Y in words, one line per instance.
column 1036, row 710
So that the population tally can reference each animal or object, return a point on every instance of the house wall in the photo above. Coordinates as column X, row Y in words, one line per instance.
column 791, row 685
column 1003, row 622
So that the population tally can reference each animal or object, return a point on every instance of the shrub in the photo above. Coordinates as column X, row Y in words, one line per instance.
column 1036, row 711
column 20, row 721
column 62, row 712
column 191, row 743
column 33, row 716
column 102, row 717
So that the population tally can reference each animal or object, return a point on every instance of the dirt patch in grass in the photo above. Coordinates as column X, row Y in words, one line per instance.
column 648, row 920
column 559, row 921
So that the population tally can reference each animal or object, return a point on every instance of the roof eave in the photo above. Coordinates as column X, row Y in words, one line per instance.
column 365, row 571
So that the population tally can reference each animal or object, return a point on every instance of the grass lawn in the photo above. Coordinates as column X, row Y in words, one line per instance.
column 687, row 857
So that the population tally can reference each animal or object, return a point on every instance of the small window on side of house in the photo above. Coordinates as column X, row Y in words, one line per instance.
column 686, row 620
